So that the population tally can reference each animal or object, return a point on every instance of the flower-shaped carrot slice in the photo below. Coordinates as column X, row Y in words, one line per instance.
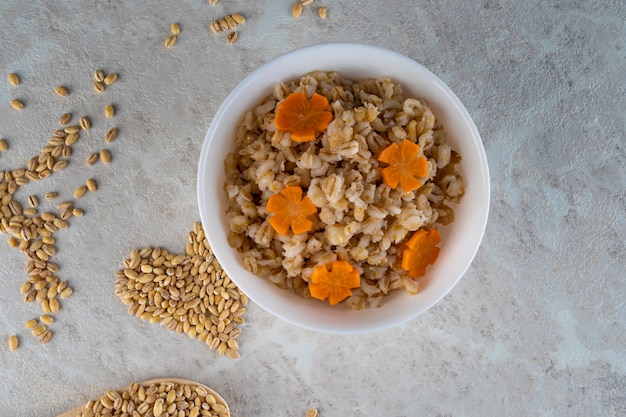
column 335, row 282
column 301, row 117
column 421, row 251
column 405, row 166
column 291, row 210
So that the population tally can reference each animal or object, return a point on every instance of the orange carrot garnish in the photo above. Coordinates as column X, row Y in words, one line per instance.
column 405, row 166
column 335, row 282
column 291, row 210
column 421, row 251
column 301, row 117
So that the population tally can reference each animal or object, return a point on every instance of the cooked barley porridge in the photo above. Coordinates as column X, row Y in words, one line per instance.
column 345, row 146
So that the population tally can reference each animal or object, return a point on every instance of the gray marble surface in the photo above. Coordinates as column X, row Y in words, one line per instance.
column 536, row 327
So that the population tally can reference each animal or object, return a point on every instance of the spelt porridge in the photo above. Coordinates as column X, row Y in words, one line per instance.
column 358, row 219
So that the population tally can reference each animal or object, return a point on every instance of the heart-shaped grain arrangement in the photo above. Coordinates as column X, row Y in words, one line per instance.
column 188, row 293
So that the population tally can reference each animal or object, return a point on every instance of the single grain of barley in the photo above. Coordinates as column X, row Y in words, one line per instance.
column 61, row 91
column 3, row 145
column 85, row 123
column 13, row 79
column 17, row 105
column 65, row 118
column 297, row 10
column 109, row 111
column 92, row 158
column 105, row 156
column 91, row 185
column 175, row 28
column 80, row 191
column 170, row 41
column 13, row 342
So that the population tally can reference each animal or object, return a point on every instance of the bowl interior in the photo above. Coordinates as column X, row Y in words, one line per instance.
column 460, row 240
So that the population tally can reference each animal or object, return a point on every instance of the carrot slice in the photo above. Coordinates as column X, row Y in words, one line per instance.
column 421, row 251
column 303, row 118
column 405, row 165
column 334, row 281
column 291, row 210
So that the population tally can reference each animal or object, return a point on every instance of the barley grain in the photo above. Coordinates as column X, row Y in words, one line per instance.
column 306, row 2
column 105, row 156
column 231, row 38
column 170, row 41
column 322, row 12
column 61, row 91
column 110, row 79
column 175, row 28
column 91, row 185
column 54, row 305
column 238, row 18
column 111, row 134
column 98, row 75
column 109, row 111
column 13, row 79
column 13, row 342
column 51, row 195
column 65, row 118
column 77, row 212
column 312, row 413
column 98, row 86
column 80, row 191
column 16, row 104
column 92, row 158
column 3, row 145
column 46, row 319
column 85, row 123
column 30, row 323
column 297, row 10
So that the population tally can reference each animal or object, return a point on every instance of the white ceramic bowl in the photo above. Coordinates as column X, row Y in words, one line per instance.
column 460, row 240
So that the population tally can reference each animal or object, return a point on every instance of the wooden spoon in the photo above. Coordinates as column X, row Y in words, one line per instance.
column 76, row 411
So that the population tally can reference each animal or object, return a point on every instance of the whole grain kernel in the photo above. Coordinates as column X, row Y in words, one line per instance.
column 297, row 10
column 322, row 12
column 71, row 139
column 77, row 212
column 230, row 22
column 46, row 319
column 13, row 79
column 71, row 129
column 109, row 111
column 111, row 135
column 13, row 242
column 215, row 27
column 13, row 342
column 67, row 292
column 91, row 184
column 80, row 191
column 59, row 165
column 98, row 86
column 31, row 211
column 312, row 412
column 105, row 156
column 30, row 323
column 51, row 195
column 54, row 305
column 170, row 41
column 238, row 18
column 3, row 145
column 16, row 104
column 223, row 23
column 92, row 158
column 33, row 201
column 175, row 28
column 85, row 123
column 231, row 38
column 45, row 337
column 62, row 91
column 65, row 118
column 98, row 75
column 110, row 79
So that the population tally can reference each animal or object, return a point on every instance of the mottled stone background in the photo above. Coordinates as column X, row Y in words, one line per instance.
column 536, row 327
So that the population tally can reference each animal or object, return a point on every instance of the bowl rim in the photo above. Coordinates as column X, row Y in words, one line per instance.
column 360, row 49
